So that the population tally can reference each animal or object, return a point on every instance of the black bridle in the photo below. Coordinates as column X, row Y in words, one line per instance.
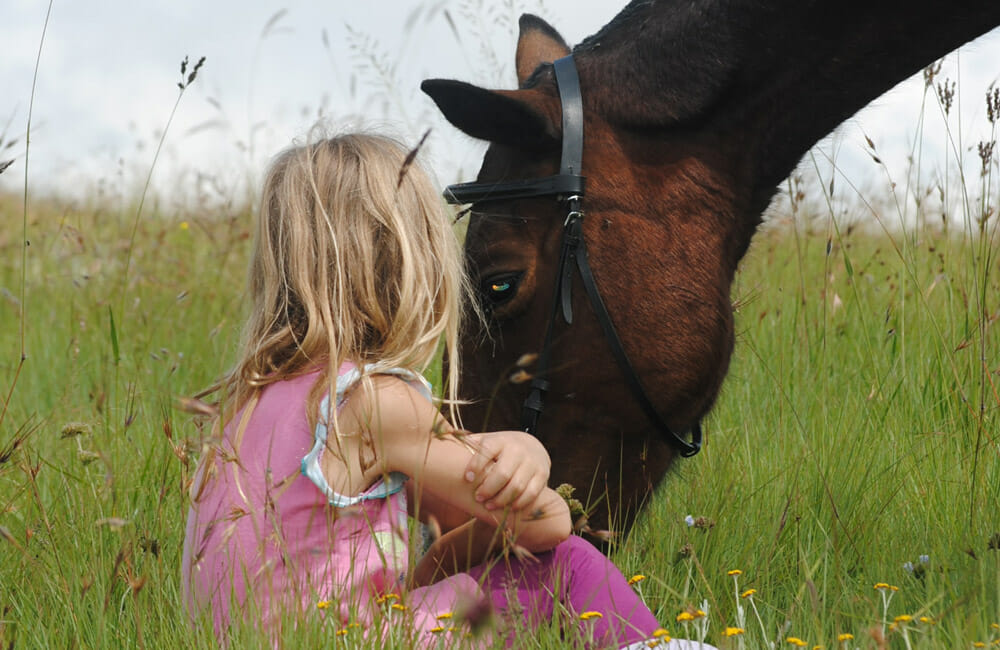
column 568, row 187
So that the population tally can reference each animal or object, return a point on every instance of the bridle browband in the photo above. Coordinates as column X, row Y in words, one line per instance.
column 568, row 187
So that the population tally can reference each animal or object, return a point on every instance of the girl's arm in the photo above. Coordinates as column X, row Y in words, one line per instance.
column 410, row 436
column 506, row 469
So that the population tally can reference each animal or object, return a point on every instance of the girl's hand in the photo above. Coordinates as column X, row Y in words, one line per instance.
column 509, row 468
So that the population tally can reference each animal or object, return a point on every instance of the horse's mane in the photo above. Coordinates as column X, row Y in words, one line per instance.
column 626, row 18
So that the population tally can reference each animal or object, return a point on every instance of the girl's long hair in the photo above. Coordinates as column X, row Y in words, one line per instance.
column 354, row 260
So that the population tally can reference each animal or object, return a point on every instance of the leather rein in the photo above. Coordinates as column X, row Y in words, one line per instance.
column 568, row 188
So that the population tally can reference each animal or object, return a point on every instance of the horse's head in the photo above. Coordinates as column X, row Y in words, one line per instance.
column 692, row 114
column 655, row 208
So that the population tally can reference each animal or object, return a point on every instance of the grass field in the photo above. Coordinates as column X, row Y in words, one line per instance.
column 850, row 484
column 855, row 442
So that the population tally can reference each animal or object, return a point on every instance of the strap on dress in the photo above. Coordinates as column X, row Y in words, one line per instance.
column 311, row 462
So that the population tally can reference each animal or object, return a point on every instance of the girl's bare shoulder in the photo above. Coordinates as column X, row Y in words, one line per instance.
column 393, row 412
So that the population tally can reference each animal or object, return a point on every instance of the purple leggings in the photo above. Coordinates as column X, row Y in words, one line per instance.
column 581, row 579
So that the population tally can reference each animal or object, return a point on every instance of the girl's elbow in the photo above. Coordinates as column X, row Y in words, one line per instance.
column 563, row 531
column 552, row 529
column 563, row 521
column 553, row 537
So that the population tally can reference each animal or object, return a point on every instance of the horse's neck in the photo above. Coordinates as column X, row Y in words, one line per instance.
column 772, row 78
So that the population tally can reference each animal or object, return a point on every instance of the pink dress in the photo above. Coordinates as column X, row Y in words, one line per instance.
column 266, row 536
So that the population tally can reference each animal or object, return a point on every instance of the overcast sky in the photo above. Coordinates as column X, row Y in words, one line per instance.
column 109, row 68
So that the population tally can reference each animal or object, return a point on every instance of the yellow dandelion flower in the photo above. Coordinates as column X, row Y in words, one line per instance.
column 399, row 607
column 660, row 632
column 323, row 604
column 354, row 624
column 817, row 647
column 796, row 641
column 734, row 631
column 978, row 644
column 699, row 614
column 586, row 616
column 748, row 593
column 636, row 579
column 846, row 636
column 342, row 632
column 684, row 617
column 184, row 225
column 903, row 618
column 444, row 616
column 734, row 572
column 926, row 620
column 995, row 626
column 881, row 585
column 437, row 629
column 893, row 588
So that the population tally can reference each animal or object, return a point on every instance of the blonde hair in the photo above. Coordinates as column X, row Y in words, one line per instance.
column 354, row 260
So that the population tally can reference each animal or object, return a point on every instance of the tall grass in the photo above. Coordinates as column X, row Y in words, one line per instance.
column 855, row 442
column 856, row 433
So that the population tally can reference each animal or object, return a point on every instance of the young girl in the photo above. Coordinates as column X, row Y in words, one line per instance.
column 327, row 438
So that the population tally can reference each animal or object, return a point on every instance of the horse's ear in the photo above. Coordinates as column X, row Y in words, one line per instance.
column 516, row 118
column 537, row 43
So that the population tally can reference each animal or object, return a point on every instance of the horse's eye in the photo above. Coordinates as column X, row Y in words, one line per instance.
column 498, row 289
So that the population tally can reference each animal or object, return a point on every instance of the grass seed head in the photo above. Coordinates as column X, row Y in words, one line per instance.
column 993, row 104
column 946, row 95
column 930, row 73
column 74, row 429
column 985, row 157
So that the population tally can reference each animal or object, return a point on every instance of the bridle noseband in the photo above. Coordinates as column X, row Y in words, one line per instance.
column 568, row 187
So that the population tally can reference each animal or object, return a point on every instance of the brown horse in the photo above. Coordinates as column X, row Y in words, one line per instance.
column 694, row 112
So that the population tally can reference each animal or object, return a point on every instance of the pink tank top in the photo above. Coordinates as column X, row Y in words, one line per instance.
column 266, row 535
